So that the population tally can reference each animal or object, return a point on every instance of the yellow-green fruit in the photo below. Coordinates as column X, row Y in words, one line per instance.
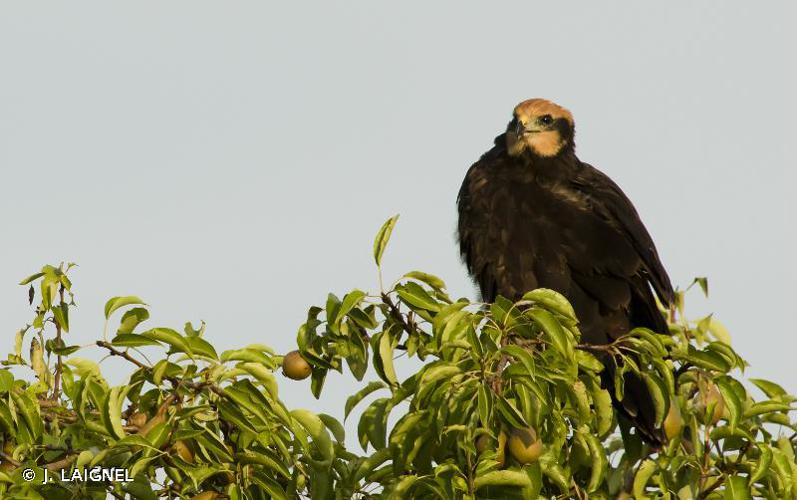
column 500, row 452
column 674, row 422
column 183, row 451
column 137, row 419
column 206, row 495
column 482, row 443
column 524, row 446
column 294, row 366
column 713, row 398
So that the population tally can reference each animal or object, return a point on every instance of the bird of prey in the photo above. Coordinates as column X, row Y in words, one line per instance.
column 532, row 215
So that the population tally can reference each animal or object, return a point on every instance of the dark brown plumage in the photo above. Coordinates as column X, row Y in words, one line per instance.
column 532, row 215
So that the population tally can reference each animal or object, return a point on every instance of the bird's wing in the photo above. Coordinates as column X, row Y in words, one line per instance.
column 610, row 203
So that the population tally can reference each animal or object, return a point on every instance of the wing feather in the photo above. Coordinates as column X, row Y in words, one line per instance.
column 609, row 201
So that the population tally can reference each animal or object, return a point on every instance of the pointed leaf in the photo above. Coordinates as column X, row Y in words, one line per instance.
column 382, row 238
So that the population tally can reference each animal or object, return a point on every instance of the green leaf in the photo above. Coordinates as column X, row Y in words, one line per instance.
column 414, row 295
column 84, row 367
column 132, row 340
column 512, row 416
column 386, row 346
column 58, row 347
column 643, row 475
column 201, row 347
column 509, row 478
column 554, row 332
column 116, row 302
column 334, row 427
column 265, row 458
column 112, row 411
column 588, row 361
column 350, row 301
column 371, row 463
column 732, row 402
column 523, row 356
column 434, row 372
column 764, row 407
column 131, row 319
column 553, row 301
column 771, row 389
column 373, row 423
column 6, row 380
column 719, row 331
column 317, row 430
column 655, row 346
column 657, row 390
column 263, row 375
column 168, row 336
column 703, row 282
column 579, row 396
column 360, row 395
column 190, row 331
column 432, row 281
column 600, row 462
column 249, row 353
column 37, row 359
column 61, row 316
column 708, row 359
column 404, row 485
column 382, row 237
column 602, row 401
column 32, row 277
column 764, row 462
column 555, row 472
column 18, row 338
column 737, row 488
column 484, row 404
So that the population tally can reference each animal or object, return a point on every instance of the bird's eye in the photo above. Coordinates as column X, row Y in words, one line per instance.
column 546, row 119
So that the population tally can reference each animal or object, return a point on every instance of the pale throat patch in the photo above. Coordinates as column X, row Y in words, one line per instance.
column 546, row 143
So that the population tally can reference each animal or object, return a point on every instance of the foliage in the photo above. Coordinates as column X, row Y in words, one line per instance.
column 506, row 403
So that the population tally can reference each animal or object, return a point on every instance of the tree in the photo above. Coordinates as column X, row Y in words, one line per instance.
column 507, row 403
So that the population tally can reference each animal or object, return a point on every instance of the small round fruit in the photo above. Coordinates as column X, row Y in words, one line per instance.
column 183, row 451
column 137, row 419
column 524, row 446
column 295, row 367
column 482, row 443
column 713, row 398
column 206, row 495
column 674, row 422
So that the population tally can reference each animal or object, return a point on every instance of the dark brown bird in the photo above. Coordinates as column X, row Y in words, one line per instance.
column 532, row 215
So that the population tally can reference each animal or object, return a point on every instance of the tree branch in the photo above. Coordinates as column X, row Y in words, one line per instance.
column 116, row 352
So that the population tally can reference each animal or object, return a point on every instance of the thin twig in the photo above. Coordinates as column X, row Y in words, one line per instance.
column 116, row 352
column 59, row 363
column 8, row 458
column 395, row 313
column 62, row 463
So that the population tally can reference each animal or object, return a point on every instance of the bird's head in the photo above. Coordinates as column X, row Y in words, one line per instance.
column 540, row 128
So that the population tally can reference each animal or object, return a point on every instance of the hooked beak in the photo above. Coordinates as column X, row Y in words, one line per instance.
column 521, row 129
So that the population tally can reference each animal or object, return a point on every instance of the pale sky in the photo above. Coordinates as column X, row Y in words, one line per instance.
column 231, row 161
